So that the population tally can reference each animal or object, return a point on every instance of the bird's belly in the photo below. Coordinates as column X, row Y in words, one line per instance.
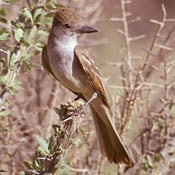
column 70, row 77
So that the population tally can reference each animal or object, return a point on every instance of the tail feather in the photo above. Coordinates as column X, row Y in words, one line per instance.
column 110, row 142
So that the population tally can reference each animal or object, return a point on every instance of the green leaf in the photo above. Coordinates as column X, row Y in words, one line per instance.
column 3, row 20
column 11, row 1
column 63, row 171
column 38, row 47
column 3, row 78
column 29, row 55
column 41, row 34
column 28, row 14
column 53, row 5
column 46, row 20
column 150, row 161
column 2, row 11
column 37, row 13
column 77, row 141
column 13, row 59
column 57, row 110
column 28, row 64
column 5, row 112
column 15, row 86
column 22, row 173
column 18, row 34
column 52, row 144
column 30, row 36
column 27, row 164
column 37, row 164
column 4, row 36
column 43, row 145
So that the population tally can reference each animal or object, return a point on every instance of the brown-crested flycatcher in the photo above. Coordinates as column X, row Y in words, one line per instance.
column 69, row 64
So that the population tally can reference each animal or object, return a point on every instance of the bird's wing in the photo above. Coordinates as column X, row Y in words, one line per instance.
column 45, row 61
column 92, row 73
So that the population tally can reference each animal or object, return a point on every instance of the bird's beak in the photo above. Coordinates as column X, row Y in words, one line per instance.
column 87, row 29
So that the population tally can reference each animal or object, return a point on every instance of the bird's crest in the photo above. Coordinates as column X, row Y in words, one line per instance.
column 67, row 15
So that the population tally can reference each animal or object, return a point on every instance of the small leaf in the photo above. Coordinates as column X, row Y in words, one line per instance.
column 52, row 144
column 63, row 171
column 3, row 20
column 27, row 64
column 28, row 14
column 11, row 1
column 43, row 145
column 3, row 78
column 37, row 13
column 150, row 161
column 4, row 36
column 46, row 20
column 16, row 86
column 38, row 161
column 41, row 34
column 2, row 11
column 5, row 112
column 13, row 58
column 31, row 54
column 57, row 110
column 30, row 35
column 27, row 165
column 22, row 173
column 37, row 164
column 18, row 34
column 38, row 47
column 57, row 128
column 77, row 141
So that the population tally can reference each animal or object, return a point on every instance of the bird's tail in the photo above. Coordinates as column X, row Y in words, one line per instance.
column 110, row 142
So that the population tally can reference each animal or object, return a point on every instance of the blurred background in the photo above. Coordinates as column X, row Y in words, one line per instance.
column 134, row 51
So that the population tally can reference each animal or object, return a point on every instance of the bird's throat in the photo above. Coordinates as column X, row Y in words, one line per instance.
column 66, row 45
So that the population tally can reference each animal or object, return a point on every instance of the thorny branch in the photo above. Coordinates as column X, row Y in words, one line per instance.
column 131, row 94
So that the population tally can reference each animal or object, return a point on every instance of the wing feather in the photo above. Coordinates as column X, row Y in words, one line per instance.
column 92, row 73
column 45, row 61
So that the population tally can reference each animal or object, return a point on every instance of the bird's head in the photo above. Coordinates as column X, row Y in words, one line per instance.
column 68, row 20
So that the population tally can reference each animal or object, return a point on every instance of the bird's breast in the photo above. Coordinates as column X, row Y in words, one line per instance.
column 67, row 69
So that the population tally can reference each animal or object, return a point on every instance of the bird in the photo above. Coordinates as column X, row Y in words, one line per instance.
column 69, row 64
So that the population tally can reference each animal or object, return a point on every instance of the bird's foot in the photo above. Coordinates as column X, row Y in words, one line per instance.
column 82, row 108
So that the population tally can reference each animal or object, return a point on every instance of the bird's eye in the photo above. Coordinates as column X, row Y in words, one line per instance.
column 67, row 26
